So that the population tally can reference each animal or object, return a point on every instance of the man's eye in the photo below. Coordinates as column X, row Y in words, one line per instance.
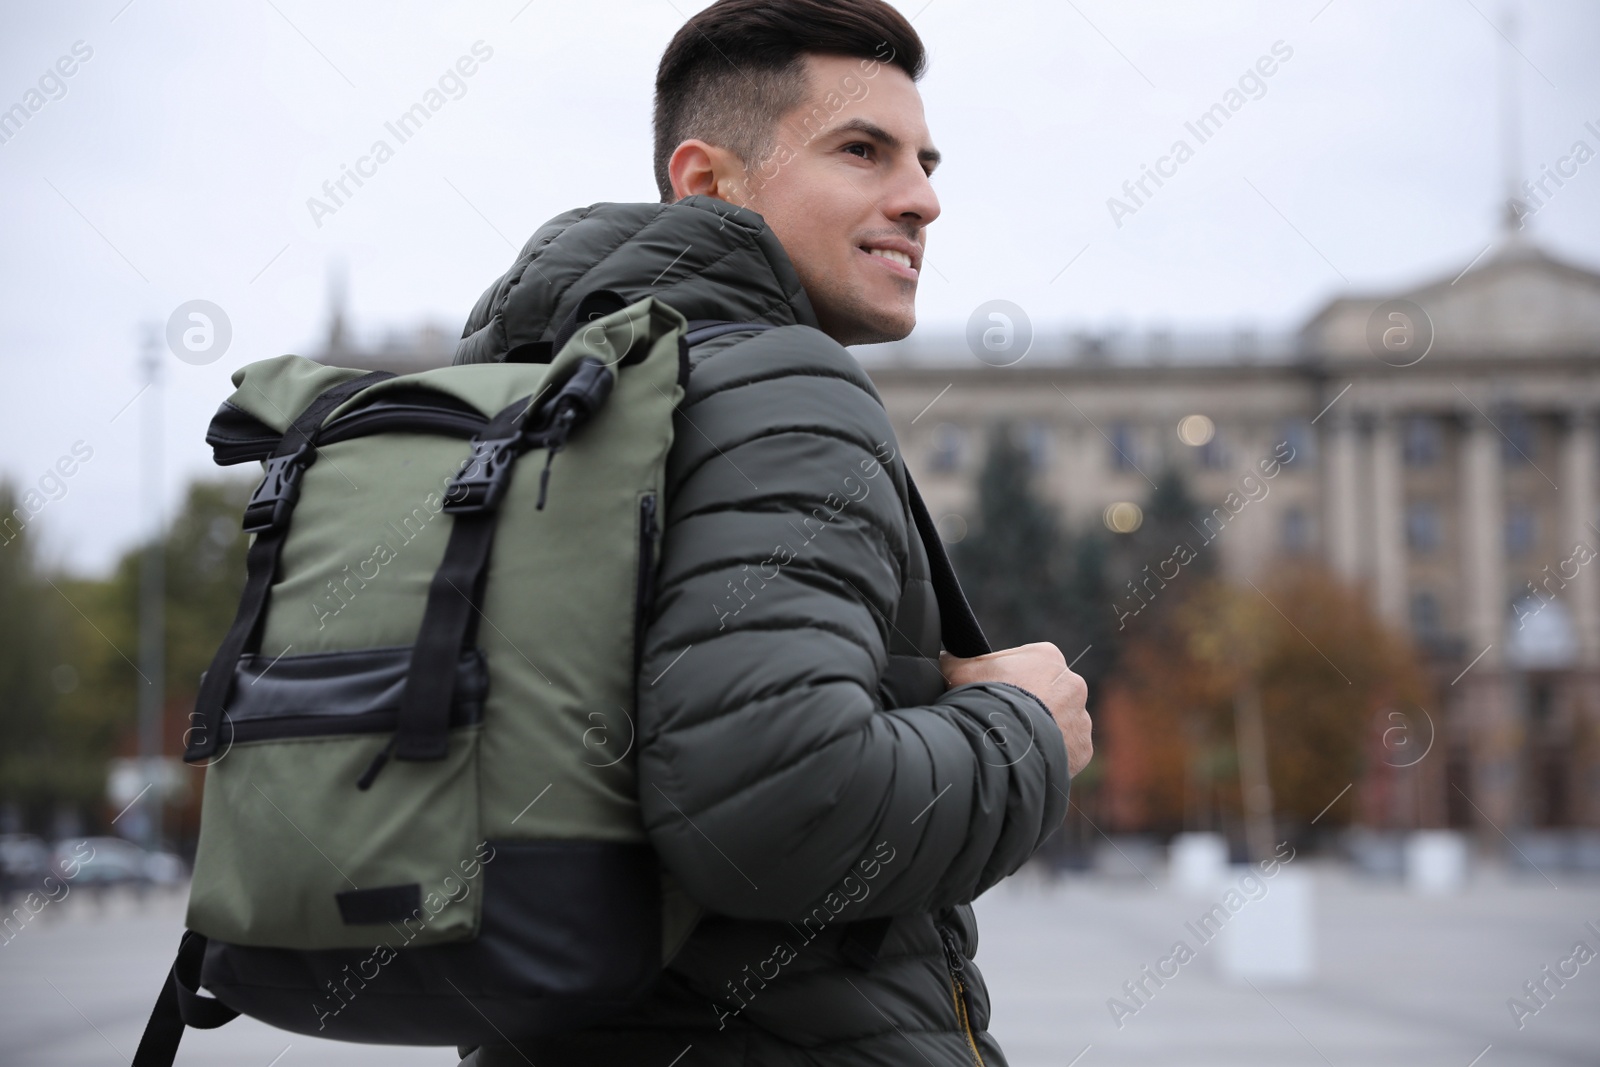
column 865, row 149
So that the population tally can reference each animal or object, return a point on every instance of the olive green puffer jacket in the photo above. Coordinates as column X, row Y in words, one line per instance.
column 802, row 765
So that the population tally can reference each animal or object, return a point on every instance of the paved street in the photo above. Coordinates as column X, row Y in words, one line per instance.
column 1400, row 980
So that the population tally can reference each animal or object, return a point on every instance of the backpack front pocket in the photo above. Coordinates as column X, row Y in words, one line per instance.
column 302, row 847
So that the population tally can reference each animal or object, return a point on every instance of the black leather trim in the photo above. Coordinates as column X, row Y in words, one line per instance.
column 381, row 904
column 325, row 693
column 570, row 934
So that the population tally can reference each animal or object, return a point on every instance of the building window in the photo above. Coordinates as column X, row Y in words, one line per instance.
column 1296, row 531
column 1296, row 433
column 1427, row 621
column 1213, row 454
column 1037, row 442
column 1422, row 527
column 1422, row 441
column 1124, row 449
column 949, row 448
column 1522, row 529
column 1518, row 441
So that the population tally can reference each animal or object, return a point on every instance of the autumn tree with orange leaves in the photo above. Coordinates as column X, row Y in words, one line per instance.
column 1239, row 698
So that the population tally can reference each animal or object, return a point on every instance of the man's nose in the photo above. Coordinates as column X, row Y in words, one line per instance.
column 912, row 199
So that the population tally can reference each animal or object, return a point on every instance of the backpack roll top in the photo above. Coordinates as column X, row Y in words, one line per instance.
column 420, row 821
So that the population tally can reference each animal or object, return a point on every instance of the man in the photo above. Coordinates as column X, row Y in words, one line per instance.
column 810, row 764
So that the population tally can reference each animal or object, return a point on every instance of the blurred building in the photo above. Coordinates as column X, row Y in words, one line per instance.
column 403, row 351
column 1438, row 446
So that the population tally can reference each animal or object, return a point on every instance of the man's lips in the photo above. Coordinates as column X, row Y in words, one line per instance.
column 895, row 259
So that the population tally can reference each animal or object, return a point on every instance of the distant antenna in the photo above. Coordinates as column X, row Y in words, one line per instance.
column 338, row 298
column 1510, row 127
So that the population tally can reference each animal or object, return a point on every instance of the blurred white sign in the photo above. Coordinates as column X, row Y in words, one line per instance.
column 129, row 779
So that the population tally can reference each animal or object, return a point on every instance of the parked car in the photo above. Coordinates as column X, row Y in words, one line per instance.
column 24, row 863
column 98, row 861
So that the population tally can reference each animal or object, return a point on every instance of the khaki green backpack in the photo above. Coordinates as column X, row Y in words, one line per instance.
column 420, row 822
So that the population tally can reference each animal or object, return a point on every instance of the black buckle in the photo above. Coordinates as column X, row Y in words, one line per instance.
column 483, row 478
column 275, row 497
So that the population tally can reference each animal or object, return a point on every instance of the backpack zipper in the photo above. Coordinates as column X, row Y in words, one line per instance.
column 254, row 440
column 648, row 532
column 958, row 991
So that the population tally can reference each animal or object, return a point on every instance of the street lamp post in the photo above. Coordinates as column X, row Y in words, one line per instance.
column 152, row 589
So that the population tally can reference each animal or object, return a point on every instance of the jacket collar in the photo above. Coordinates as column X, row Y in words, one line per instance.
column 703, row 257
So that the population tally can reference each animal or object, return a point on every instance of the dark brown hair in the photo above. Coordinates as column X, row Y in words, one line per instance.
column 737, row 67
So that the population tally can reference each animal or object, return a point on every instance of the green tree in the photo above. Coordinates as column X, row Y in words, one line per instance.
column 69, row 677
column 1011, row 565
column 28, row 636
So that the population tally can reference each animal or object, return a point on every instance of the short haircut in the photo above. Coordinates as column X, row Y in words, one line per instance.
column 738, row 67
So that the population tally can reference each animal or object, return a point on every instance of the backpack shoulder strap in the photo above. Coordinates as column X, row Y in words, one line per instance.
column 180, row 1004
column 959, row 629
column 267, row 515
column 958, row 626
column 705, row 329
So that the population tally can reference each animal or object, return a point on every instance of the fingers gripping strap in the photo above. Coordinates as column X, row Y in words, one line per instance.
column 268, row 516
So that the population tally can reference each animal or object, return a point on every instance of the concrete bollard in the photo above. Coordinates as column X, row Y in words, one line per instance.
column 1198, row 863
column 1436, row 862
column 1271, row 939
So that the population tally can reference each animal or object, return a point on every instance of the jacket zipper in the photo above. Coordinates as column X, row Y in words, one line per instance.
column 646, row 581
column 958, row 991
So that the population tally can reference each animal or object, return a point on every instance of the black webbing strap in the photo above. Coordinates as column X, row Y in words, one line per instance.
column 261, row 563
column 958, row 626
column 449, row 624
column 267, row 516
column 455, row 597
column 705, row 329
column 180, row 1004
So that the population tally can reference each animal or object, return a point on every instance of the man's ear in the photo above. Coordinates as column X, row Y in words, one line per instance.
column 701, row 169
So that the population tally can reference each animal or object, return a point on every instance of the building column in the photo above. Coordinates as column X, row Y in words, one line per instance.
column 1080, row 476
column 1388, row 519
column 1493, row 726
column 1483, row 576
column 1580, row 457
column 1578, row 468
column 1343, row 530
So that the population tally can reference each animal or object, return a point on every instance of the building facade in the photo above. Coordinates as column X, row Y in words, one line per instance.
column 1441, row 450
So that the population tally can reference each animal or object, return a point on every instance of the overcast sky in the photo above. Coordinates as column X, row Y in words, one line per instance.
column 175, row 163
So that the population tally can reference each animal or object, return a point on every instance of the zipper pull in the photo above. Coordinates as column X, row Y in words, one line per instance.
column 370, row 775
column 649, row 506
column 952, row 951
column 562, row 429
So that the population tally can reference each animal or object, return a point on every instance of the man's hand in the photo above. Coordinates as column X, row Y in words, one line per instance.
column 1042, row 670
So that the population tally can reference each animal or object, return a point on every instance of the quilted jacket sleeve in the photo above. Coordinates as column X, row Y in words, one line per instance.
column 767, row 769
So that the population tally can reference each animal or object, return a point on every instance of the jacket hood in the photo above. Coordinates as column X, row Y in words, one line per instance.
column 702, row 257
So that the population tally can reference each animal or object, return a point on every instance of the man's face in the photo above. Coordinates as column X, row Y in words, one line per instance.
column 845, row 189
